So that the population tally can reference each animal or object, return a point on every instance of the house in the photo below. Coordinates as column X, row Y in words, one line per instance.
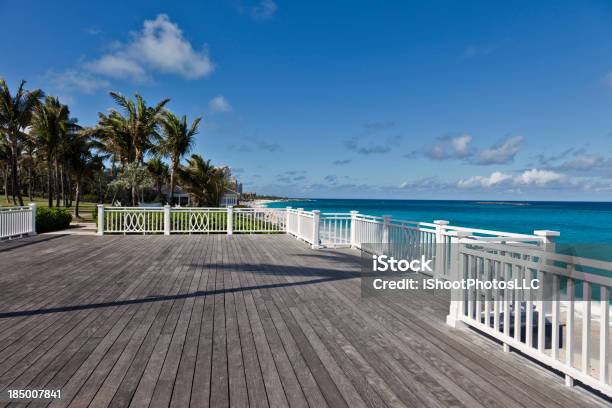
column 180, row 197
column 232, row 193
column 230, row 198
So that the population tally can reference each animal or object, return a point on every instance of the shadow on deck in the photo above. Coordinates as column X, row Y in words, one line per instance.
column 239, row 320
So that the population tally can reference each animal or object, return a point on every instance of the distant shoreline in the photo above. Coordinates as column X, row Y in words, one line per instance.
column 502, row 203
column 259, row 203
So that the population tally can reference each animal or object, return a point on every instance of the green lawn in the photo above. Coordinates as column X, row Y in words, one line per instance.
column 85, row 208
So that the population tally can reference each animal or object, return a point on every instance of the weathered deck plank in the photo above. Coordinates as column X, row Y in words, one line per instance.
column 243, row 320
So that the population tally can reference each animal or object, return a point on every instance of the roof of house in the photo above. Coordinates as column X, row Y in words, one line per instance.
column 177, row 190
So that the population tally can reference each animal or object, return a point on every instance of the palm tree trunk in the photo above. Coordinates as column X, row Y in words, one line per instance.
column 100, row 200
column 49, row 183
column 68, row 197
column 57, row 187
column 171, row 186
column 63, row 185
column 6, row 178
column 77, row 199
column 14, row 175
column 30, row 183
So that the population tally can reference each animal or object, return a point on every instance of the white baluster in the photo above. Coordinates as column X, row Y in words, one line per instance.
column 100, row 219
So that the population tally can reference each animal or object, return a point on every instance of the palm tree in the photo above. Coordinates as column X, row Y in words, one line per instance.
column 159, row 171
column 15, row 115
column 138, row 121
column 177, row 141
column 114, row 133
column 204, row 181
column 49, row 126
column 129, row 135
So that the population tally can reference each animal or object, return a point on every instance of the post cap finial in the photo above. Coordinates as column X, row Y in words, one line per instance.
column 441, row 222
column 546, row 233
column 354, row 212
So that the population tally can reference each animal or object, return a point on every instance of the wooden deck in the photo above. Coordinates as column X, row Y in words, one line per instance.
column 240, row 320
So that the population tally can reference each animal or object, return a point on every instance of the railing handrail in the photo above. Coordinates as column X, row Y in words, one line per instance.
column 109, row 208
column 493, row 232
column 15, row 208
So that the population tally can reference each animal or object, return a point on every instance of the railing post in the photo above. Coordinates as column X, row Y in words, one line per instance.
column 386, row 222
column 315, row 229
column 100, row 219
column 440, row 248
column 167, row 219
column 299, row 222
column 385, row 237
column 548, row 245
column 33, row 220
column 457, row 273
column 288, row 217
column 354, row 229
column 230, row 220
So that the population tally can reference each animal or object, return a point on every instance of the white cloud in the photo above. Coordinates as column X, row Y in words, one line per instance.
column 494, row 179
column 74, row 80
column 478, row 50
column 159, row 47
column 539, row 177
column 447, row 147
column 117, row 66
column 264, row 10
column 369, row 145
column 533, row 177
column 461, row 144
column 502, row 152
column 584, row 161
column 219, row 104
column 423, row 184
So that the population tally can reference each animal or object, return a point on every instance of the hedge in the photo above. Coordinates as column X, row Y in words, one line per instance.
column 52, row 219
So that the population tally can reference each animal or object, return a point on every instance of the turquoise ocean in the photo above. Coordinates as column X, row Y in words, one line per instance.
column 578, row 222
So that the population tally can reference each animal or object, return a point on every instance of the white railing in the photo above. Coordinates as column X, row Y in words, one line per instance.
column 303, row 225
column 187, row 220
column 402, row 238
column 198, row 220
column 17, row 221
column 258, row 220
column 335, row 229
column 127, row 220
column 541, row 324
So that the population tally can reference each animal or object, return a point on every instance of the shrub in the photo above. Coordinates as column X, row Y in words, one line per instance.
column 52, row 219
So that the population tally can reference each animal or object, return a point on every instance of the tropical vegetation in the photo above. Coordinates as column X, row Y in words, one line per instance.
column 128, row 157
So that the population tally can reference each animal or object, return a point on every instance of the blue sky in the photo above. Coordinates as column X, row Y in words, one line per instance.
column 363, row 99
